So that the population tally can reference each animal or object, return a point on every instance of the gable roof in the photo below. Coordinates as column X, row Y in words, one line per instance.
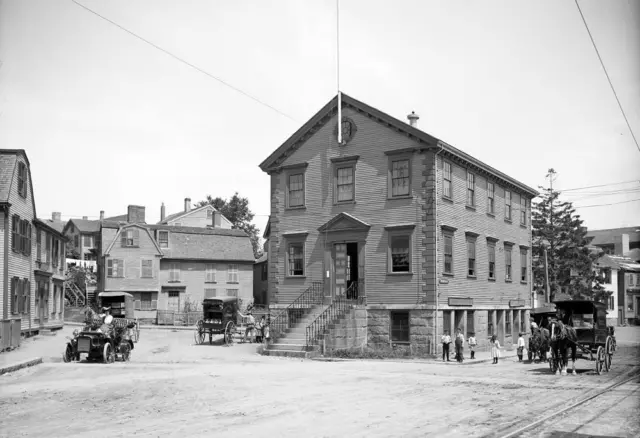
column 175, row 216
column 8, row 160
column 57, row 226
column 607, row 237
column 84, row 226
column 126, row 227
column 325, row 114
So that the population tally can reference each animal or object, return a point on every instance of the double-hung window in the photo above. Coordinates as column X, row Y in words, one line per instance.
column 174, row 272
column 295, row 259
column 400, row 177
column 399, row 258
column 507, row 205
column 523, row 265
column 471, row 255
column 146, row 268
column 232, row 274
column 490, row 198
column 491, row 249
column 22, row 179
column 447, row 183
column 163, row 238
column 471, row 189
column 210, row 273
column 523, row 210
column 507, row 262
column 345, row 183
column 115, row 268
column 296, row 189
column 448, row 252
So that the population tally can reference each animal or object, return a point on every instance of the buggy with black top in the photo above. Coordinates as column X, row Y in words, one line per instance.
column 219, row 317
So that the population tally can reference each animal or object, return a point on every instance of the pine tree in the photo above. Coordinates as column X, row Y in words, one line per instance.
column 559, row 230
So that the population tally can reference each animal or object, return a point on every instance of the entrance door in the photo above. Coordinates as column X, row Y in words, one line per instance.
column 173, row 302
column 340, row 268
column 353, row 274
column 43, row 300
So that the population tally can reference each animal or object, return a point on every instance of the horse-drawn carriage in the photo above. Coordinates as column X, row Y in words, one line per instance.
column 581, row 327
column 219, row 317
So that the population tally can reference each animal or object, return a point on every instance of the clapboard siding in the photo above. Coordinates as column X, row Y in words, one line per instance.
column 485, row 293
column 192, row 281
column 4, row 228
column 198, row 218
column 371, row 205
column 132, row 256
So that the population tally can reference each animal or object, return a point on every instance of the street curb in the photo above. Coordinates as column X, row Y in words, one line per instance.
column 145, row 327
column 419, row 361
column 19, row 365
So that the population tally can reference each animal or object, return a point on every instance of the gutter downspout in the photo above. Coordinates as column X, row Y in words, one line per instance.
column 435, row 207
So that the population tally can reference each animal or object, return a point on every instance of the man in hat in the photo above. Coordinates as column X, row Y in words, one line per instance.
column 520, row 346
column 251, row 324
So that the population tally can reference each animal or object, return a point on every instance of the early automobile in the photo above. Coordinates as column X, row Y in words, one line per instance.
column 106, row 344
column 219, row 317
column 121, row 305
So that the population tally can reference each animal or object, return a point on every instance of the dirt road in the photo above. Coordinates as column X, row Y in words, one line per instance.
column 173, row 388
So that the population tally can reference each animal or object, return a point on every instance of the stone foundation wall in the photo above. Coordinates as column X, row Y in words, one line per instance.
column 349, row 332
column 420, row 329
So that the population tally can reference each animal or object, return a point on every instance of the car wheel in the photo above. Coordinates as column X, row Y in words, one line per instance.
column 108, row 355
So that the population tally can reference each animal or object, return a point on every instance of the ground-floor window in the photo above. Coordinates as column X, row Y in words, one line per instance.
column 232, row 292
column 400, row 326
column 507, row 321
column 523, row 327
column 446, row 321
column 146, row 301
column 210, row 293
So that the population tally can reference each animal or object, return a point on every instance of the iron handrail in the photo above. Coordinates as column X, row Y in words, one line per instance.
column 340, row 305
column 312, row 296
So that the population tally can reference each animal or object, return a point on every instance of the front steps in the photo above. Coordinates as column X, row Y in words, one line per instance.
column 294, row 342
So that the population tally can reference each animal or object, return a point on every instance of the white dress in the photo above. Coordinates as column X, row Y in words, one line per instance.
column 495, row 349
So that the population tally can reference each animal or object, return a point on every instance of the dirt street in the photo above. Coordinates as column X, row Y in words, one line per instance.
column 173, row 388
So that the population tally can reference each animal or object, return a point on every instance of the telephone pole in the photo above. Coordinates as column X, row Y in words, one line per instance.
column 551, row 174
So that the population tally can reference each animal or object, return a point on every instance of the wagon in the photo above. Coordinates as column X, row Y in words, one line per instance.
column 219, row 316
column 121, row 305
column 595, row 341
column 540, row 316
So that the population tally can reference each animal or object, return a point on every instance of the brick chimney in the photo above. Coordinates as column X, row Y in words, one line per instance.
column 56, row 216
column 162, row 212
column 135, row 214
column 621, row 244
column 217, row 219
column 187, row 205
column 101, row 215
column 413, row 119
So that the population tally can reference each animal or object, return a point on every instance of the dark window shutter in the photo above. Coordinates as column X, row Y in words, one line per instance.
column 14, row 233
column 29, row 241
column 121, row 268
column 109, row 268
column 136, row 237
column 14, row 286
column 123, row 238
column 28, row 299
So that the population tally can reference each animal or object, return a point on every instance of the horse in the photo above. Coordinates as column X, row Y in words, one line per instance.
column 562, row 338
column 539, row 343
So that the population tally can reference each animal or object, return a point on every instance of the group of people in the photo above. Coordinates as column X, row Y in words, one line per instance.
column 258, row 331
column 459, row 340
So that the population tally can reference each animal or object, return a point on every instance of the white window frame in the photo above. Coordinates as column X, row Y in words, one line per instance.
column 471, row 189
column 210, row 273
column 160, row 244
column 233, row 275
column 507, row 205
column 396, row 159
column 491, row 197
column 174, row 272
column 399, row 233
column 447, row 179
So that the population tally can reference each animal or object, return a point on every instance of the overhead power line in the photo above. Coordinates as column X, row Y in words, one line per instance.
column 608, row 78
column 602, row 205
column 601, row 185
column 187, row 63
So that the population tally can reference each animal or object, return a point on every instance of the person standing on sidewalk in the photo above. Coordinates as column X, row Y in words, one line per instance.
column 472, row 345
column 520, row 347
column 446, row 340
column 459, row 344
column 495, row 349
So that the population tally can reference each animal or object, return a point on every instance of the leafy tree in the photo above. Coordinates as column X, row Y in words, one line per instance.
column 238, row 212
column 560, row 231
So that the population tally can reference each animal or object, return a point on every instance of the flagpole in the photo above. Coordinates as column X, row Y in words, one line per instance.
column 338, row 71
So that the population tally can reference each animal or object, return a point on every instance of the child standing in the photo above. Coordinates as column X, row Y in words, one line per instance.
column 472, row 345
column 520, row 347
column 446, row 340
column 495, row 349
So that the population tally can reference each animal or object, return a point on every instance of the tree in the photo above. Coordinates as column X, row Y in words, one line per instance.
column 560, row 231
column 239, row 214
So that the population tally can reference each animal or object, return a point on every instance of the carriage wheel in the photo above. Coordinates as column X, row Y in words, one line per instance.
column 608, row 355
column 599, row 360
column 68, row 355
column 228, row 333
column 108, row 355
column 198, row 336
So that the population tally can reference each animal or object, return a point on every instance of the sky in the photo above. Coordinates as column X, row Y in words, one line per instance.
column 107, row 120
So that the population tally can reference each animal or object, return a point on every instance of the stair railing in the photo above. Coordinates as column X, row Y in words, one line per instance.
column 340, row 305
column 294, row 312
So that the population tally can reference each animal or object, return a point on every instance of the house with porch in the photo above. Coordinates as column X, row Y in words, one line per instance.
column 169, row 268
column 31, row 255
column 418, row 235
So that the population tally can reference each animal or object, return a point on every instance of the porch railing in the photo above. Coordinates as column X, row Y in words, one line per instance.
column 340, row 305
column 294, row 312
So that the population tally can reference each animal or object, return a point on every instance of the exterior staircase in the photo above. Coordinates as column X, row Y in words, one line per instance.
column 293, row 341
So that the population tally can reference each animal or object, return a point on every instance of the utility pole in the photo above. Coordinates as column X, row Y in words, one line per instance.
column 547, row 295
column 551, row 174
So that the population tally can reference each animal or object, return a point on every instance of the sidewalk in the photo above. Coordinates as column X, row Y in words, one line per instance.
column 144, row 327
column 480, row 357
column 34, row 350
